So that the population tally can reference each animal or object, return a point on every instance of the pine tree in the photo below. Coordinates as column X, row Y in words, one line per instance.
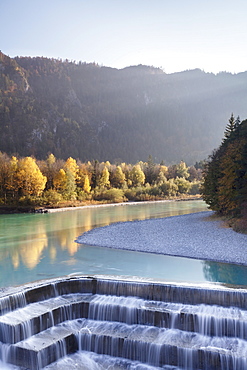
column 230, row 128
column 224, row 186
column 210, row 185
column 229, row 167
column 150, row 170
column 237, row 122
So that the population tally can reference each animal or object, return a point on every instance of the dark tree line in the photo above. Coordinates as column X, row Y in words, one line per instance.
column 224, row 187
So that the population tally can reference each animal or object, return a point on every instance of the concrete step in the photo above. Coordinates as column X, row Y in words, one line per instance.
column 43, row 348
column 90, row 361
column 36, row 317
column 204, row 319
column 146, row 344
column 154, row 324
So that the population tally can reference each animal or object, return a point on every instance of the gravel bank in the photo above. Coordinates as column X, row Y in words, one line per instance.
column 194, row 235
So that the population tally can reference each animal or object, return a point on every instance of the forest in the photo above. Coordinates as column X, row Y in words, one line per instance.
column 224, row 186
column 27, row 182
column 92, row 112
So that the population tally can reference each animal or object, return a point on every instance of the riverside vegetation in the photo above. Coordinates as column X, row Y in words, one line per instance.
column 224, row 186
column 27, row 182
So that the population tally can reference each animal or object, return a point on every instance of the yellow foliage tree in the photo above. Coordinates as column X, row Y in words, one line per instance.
column 29, row 178
column 86, row 186
column 51, row 159
column 118, row 178
column 104, row 181
column 60, row 181
column 72, row 166
column 137, row 176
column 72, row 174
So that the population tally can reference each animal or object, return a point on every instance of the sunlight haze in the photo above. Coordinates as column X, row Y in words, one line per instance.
column 174, row 35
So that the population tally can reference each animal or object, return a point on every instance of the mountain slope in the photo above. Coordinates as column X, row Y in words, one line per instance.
column 91, row 112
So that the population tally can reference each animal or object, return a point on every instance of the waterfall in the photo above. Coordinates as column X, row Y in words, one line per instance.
column 126, row 324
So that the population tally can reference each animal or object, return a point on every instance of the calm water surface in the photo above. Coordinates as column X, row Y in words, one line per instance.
column 38, row 246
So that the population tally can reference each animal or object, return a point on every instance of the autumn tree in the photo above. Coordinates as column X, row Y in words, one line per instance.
column 182, row 170
column 183, row 185
column 169, row 188
column 72, row 166
column 137, row 175
column 84, row 171
column 118, row 179
column 161, row 178
column 59, row 181
column 71, row 169
column 28, row 177
column 50, row 167
column 86, row 185
column 104, row 180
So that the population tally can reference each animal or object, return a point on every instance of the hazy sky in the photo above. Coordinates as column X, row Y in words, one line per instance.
column 173, row 34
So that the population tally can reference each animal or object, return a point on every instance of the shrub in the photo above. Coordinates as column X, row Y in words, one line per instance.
column 82, row 196
column 183, row 185
column 113, row 195
column 29, row 200
column 130, row 194
column 52, row 198
column 155, row 191
column 169, row 188
column 240, row 225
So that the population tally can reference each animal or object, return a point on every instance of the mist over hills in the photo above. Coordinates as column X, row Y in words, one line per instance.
column 91, row 112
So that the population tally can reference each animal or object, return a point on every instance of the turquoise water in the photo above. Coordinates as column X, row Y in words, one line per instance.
column 39, row 246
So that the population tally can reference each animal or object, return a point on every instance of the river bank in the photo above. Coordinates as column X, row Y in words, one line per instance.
column 196, row 235
column 72, row 206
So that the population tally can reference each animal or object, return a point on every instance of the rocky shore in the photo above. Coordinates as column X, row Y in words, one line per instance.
column 195, row 235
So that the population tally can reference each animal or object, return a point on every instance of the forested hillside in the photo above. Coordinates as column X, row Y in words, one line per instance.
column 225, row 176
column 91, row 112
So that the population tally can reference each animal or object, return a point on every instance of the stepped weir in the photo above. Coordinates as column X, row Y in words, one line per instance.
column 85, row 322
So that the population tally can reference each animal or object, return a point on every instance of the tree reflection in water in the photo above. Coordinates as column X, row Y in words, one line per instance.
column 227, row 273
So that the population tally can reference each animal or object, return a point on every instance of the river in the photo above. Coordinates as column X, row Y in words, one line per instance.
column 40, row 246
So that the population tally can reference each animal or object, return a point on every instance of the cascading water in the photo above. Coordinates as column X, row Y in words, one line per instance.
column 99, row 323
